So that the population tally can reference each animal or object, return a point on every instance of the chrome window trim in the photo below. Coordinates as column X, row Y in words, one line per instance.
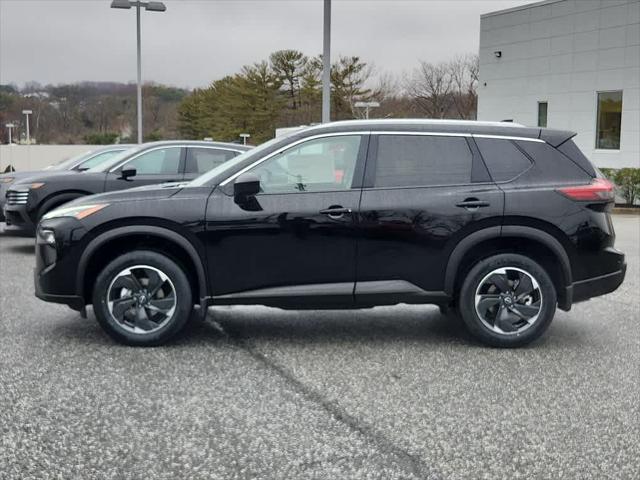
column 367, row 132
column 422, row 134
column 287, row 147
column 507, row 137
column 172, row 146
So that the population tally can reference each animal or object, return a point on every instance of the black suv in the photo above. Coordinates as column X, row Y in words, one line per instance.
column 498, row 222
column 28, row 200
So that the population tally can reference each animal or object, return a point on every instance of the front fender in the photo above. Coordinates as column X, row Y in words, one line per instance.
column 160, row 232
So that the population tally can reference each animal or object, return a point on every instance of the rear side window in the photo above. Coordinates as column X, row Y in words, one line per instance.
column 201, row 160
column 503, row 159
column 551, row 164
column 572, row 151
column 422, row 160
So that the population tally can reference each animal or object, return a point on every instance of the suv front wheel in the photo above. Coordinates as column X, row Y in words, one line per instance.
column 507, row 300
column 142, row 298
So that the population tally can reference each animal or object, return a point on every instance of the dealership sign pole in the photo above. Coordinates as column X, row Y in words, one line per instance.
column 326, row 64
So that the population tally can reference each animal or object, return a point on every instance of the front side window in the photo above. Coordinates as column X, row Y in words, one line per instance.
column 201, row 160
column 320, row 165
column 542, row 114
column 422, row 160
column 162, row 161
column 609, row 120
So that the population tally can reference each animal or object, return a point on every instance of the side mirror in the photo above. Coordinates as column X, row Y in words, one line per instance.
column 246, row 185
column 127, row 173
column 245, row 189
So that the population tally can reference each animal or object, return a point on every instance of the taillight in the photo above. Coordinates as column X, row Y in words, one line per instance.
column 600, row 189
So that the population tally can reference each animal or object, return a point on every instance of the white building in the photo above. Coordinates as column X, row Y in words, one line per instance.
column 567, row 64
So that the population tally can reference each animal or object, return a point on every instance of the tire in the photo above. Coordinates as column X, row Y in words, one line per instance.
column 145, row 305
column 504, row 313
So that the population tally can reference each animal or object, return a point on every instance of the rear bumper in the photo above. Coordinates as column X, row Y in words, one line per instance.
column 594, row 287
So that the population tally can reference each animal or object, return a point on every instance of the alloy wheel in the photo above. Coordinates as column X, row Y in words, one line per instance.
column 141, row 299
column 508, row 300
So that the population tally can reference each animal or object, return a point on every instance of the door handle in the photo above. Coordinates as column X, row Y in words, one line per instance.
column 335, row 212
column 472, row 204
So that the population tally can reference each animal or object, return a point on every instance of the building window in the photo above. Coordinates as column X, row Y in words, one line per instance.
column 542, row 114
column 609, row 120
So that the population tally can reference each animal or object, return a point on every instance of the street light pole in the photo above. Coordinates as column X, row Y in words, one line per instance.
column 139, row 86
column 26, row 114
column 326, row 64
column 10, row 127
column 367, row 106
column 149, row 7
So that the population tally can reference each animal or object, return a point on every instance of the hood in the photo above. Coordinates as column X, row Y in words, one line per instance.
column 145, row 193
column 21, row 174
column 44, row 177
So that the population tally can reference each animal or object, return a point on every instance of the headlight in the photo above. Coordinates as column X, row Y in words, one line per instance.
column 47, row 236
column 79, row 211
column 7, row 179
column 35, row 186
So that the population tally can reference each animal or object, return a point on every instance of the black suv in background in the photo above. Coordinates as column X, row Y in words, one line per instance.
column 156, row 162
column 80, row 162
column 501, row 222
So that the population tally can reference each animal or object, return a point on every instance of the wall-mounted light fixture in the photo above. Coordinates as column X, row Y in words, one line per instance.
column 498, row 53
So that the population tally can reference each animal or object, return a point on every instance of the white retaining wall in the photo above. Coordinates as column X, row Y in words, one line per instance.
column 36, row 157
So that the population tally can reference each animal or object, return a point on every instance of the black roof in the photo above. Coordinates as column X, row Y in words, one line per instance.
column 553, row 137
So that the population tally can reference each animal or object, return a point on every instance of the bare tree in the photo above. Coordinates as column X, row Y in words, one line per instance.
column 464, row 74
column 431, row 86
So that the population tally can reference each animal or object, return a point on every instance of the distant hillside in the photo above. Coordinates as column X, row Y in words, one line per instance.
column 89, row 112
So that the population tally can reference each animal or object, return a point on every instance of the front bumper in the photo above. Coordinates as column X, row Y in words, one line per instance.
column 17, row 219
column 55, row 273
column 76, row 302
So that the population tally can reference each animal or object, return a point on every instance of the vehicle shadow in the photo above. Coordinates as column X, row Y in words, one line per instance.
column 388, row 324
column 423, row 324
column 22, row 249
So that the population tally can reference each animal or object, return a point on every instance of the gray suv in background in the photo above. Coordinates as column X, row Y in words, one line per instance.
column 79, row 163
column 150, row 163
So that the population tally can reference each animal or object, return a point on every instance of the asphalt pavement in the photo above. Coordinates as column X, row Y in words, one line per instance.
column 253, row 392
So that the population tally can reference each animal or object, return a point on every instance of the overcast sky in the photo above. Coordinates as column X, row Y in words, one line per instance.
column 197, row 41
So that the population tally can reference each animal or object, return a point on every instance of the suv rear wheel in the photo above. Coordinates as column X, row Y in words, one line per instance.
column 142, row 298
column 507, row 300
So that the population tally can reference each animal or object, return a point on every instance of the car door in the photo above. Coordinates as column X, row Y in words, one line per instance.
column 200, row 160
column 156, row 165
column 422, row 194
column 295, row 244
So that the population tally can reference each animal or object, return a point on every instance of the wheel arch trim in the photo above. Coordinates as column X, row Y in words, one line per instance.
column 507, row 231
column 94, row 245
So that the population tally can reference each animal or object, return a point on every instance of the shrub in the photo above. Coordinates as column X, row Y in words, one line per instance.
column 628, row 182
column 610, row 173
column 101, row 138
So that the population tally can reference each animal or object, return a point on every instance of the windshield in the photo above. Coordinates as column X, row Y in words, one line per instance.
column 220, row 169
column 112, row 161
column 69, row 162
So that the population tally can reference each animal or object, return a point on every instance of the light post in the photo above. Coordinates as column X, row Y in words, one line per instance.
column 10, row 127
column 26, row 114
column 149, row 7
column 367, row 106
column 244, row 137
column 326, row 64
